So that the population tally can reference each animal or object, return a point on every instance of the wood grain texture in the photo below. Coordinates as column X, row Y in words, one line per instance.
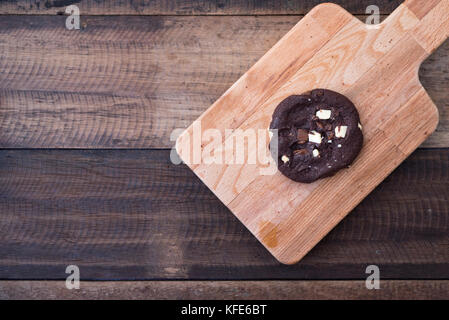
column 433, row 28
column 377, row 68
column 127, row 82
column 130, row 214
column 228, row 290
column 421, row 8
column 195, row 7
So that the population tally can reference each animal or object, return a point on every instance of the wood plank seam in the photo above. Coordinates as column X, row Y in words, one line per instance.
column 429, row 34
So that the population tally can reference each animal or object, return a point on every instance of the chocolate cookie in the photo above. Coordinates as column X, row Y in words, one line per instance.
column 319, row 133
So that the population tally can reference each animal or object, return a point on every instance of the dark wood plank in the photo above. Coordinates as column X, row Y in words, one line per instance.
column 130, row 214
column 224, row 290
column 186, row 7
column 127, row 82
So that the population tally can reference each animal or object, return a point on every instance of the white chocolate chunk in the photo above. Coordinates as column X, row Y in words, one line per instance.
column 323, row 114
column 339, row 146
column 316, row 153
column 285, row 159
column 360, row 126
column 340, row 131
column 314, row 137
column 329, row 141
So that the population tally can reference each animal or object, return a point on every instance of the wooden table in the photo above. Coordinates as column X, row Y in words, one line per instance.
column 86, row 178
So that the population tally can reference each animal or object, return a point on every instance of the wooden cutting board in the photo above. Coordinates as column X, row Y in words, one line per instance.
column 375, row 66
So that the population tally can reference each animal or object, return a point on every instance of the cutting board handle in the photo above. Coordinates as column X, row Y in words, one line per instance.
column 433, row 27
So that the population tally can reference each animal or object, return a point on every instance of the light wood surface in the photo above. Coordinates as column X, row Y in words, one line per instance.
column 224, row 290
column 377, row 68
